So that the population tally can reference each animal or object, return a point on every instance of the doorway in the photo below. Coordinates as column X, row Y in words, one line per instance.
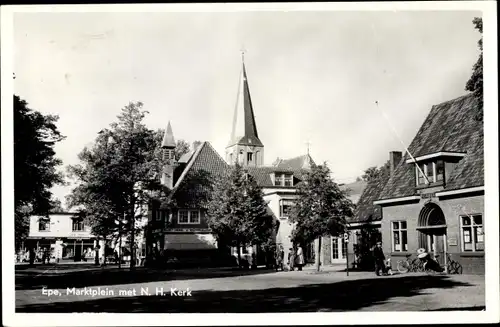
column 432, row 231
column 339, row 250
column 78, row 252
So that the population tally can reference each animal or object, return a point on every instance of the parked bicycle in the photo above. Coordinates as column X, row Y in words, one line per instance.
column 453, row 267
column 410, row 265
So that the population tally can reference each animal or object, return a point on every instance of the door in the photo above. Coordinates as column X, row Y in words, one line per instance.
column 78, row 252
column 436, row 247
column 338, row 250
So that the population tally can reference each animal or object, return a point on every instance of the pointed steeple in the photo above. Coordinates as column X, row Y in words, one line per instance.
column 244, row 131
column 168, row 138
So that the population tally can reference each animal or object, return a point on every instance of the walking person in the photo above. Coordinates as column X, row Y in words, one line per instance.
column 299, row 260
column 378, row 255
column 291, row 259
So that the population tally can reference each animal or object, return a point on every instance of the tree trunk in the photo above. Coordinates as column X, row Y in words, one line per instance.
column 238, row 248
column 96, row 261
column 132, row 237
column 317, row 260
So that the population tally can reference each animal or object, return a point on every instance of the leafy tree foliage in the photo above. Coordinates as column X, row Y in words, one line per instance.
column 35, row 163
column 321, row 208
column 374, row 172
column 237, row 212
column 118, row 176
column 475, row 82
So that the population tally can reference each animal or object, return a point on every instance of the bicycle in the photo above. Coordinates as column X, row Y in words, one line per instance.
column 454, row 267
column 407, row 265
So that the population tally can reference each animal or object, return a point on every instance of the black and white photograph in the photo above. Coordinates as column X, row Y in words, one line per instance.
column 335, row 161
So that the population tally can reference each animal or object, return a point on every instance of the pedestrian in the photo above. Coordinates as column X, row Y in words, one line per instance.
column 378, row 255
column 291, row 259
column 299, row 259
column 280, row 256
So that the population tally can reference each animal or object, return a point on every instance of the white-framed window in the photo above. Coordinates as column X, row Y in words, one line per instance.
column 285, row 207
column 399, row 236
column 281, row 179
column 429, row 172
column 44, row 224
column 249, row 156
column 472, row 233
column 188, row 217
column 77, row 225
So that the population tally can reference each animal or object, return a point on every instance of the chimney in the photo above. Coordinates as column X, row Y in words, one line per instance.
column 394, row 160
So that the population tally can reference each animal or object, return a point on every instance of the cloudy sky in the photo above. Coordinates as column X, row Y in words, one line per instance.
column 314, row 76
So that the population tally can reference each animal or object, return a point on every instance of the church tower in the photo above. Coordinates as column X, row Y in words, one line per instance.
column 169, row 162
column 244, row 146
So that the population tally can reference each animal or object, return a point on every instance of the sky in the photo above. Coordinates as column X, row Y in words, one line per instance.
column 314, row 77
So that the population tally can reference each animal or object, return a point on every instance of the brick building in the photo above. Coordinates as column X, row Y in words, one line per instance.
column 435, row 197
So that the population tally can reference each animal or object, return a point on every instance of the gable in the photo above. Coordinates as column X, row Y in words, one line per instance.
column 449, row 127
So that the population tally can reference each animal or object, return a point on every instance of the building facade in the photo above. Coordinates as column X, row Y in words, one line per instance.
column 435, row 198
column 64, row 235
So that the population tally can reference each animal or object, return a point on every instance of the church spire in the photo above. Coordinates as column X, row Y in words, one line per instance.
column 244, row 145
column 168, row 138
column 244, row 129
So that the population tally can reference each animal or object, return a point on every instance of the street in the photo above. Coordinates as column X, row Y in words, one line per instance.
column 84, row 288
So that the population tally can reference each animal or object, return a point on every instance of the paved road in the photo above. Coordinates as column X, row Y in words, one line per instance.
column 250, row 291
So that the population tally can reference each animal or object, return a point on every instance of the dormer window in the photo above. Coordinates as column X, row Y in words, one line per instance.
column 429, row 172
column 283, row 179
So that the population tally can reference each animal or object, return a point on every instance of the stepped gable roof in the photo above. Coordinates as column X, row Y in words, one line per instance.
column 450, row 127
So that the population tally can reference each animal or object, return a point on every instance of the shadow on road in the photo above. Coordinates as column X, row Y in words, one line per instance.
column 51, row 278
column 339, row 296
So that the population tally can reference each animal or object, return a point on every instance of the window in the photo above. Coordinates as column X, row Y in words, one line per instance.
column 188, row 217
column 399, row 236
column 429, row 172
column 77, row 225
column 281, row 179
column 43, row 224
column 278, row 179
column 472, row 233
column 183, row 217
column 249, row 157
column 194, row 217
column 230, row 158
column 158, row 214
column 439, row 170
column 285, row 207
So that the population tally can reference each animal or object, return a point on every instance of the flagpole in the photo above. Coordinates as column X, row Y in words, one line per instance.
column 402, row 143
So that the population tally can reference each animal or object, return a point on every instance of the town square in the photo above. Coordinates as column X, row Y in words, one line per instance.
column 251, row 161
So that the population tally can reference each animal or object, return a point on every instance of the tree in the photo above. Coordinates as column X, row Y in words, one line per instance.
column 118, row 176
column 35, row 164
column 320, row 209
column 237, row 212
column 373, row 173
column 475, row 82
